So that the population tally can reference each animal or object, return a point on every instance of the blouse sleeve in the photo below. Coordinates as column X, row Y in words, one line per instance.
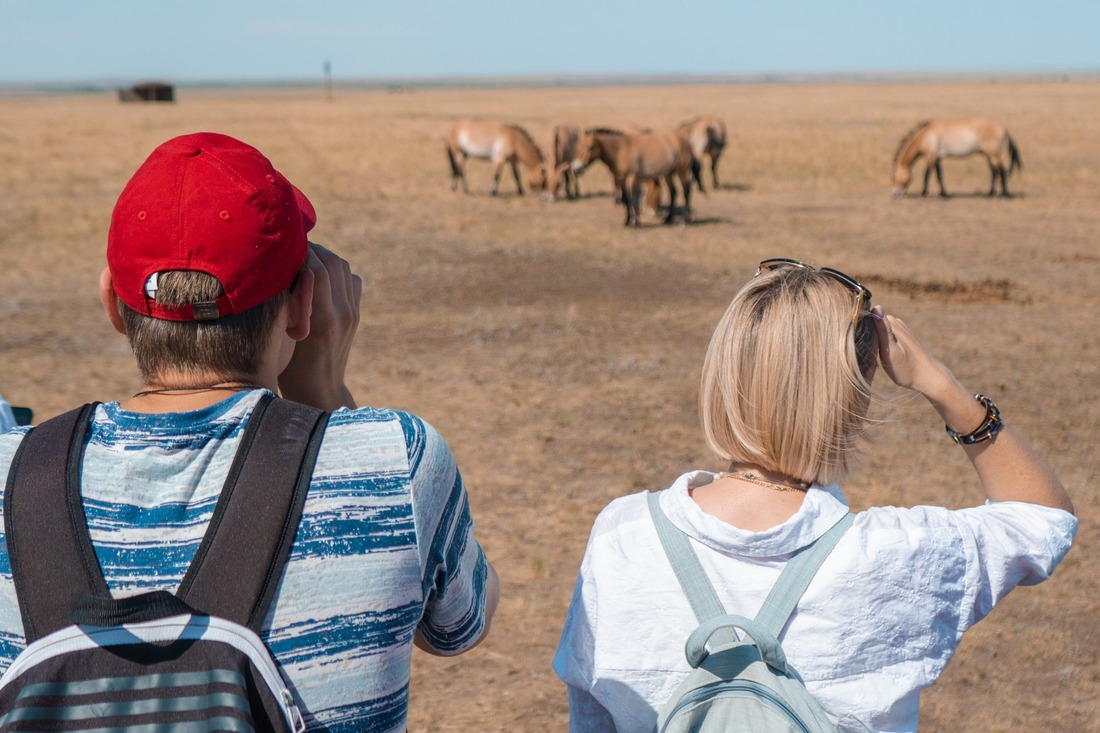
column 576, row 655
column 970, row 559
column 1010, row 544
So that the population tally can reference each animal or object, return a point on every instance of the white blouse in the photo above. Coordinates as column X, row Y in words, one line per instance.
column 878, row 623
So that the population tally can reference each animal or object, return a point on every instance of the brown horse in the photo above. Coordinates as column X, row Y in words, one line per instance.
column 563, row 179
column 938, row 139
column 632, row 159
column 706, row 136
column 499, row 143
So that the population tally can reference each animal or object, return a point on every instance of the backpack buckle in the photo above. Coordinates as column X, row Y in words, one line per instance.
column 297, row 723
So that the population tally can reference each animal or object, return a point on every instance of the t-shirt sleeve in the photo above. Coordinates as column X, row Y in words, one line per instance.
column 7, row 418
column 12, row 640
column 453, row 563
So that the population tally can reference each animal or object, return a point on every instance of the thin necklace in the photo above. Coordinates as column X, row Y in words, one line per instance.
column 752, row 478
column 219, row 386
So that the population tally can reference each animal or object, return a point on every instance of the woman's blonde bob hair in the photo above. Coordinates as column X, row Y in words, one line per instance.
column 786, row 384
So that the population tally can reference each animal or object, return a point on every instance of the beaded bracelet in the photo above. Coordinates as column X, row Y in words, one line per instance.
column 990, row 426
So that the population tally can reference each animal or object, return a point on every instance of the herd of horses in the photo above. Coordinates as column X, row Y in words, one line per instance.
column 640, row 160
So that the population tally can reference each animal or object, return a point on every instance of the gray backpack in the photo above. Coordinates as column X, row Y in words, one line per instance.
column 741, row 684
column 186, row 662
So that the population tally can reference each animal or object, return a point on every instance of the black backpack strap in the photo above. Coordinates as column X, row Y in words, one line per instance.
column 52, row 561
column 241, row 558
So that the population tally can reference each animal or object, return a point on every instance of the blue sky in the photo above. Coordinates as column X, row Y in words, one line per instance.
column 64, row 41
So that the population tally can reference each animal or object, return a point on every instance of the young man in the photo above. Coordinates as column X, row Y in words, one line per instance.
column 211, row 277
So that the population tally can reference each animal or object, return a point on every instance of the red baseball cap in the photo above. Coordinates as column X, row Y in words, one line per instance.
column 210, row 203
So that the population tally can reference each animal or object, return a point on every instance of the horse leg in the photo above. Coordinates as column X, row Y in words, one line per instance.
column 671, row 199
column 714, row 168
column 652, row 188
column 685, row 183
column 454, row 167
column 496, row 178
column 939, row 178
column 458, row 170
column 630, row 200
column 927, row 175
column 992, row 175
column 1004, row 183
column 515, row 174
column 519, row 181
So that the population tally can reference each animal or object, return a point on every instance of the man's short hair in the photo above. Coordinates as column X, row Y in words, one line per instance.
column 230, row 346
column 785, row 385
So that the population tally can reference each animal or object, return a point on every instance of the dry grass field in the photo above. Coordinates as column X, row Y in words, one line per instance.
column 559, row 352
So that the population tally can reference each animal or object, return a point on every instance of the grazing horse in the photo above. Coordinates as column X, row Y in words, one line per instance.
column 652, row 156
column 937, row 139
column 499, row 143
column 706, row 136
column 563, row 179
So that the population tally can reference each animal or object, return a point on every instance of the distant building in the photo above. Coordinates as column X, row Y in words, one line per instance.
column 148, row 91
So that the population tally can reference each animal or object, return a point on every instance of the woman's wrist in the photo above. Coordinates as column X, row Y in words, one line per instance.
column 956, row 406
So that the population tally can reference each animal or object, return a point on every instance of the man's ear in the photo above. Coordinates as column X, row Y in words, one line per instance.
column 300, row 307
column 109, row 299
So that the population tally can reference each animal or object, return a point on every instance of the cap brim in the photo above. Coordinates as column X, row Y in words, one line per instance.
column 309, row 214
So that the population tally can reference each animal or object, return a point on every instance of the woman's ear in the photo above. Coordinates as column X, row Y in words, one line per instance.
column 109, row 299
column 300, row 306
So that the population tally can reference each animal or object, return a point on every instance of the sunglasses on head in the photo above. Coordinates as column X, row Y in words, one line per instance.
column 863, row 295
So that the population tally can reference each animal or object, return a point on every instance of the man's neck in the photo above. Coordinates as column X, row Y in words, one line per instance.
column 186, row 392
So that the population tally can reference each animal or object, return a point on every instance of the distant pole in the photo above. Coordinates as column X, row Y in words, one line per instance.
column 328, row 80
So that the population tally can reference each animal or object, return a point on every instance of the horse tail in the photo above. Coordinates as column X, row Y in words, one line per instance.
column 1013, row 156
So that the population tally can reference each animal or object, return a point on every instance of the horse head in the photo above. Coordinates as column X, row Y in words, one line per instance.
column 537, row 181
column 556, row 183
column 903, row 175
column 587, row 150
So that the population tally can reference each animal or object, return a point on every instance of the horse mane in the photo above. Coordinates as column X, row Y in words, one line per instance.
column 603, row 131
column 909, row 136
column 527, row 136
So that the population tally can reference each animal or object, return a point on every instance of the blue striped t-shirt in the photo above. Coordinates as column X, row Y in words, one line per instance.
column 385, row 546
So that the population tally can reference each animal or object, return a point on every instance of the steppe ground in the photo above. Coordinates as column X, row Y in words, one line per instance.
column 559, row 352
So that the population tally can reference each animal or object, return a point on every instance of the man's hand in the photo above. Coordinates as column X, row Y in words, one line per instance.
column 315, row 374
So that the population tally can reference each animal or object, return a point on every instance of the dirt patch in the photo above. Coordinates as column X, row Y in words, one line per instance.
column 988, row 290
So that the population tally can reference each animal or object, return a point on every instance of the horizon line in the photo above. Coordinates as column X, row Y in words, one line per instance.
column 104, row 84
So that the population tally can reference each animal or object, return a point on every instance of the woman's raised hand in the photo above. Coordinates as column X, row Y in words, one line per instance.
column 1007, row 467
column 905, row 359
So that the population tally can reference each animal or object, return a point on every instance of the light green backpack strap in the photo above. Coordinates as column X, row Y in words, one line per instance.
column 796, row 577
column 693, row 579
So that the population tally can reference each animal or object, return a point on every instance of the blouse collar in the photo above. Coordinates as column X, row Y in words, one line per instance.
column 822, row 507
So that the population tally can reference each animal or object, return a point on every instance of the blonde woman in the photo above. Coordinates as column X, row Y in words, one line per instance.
column 784, row 400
